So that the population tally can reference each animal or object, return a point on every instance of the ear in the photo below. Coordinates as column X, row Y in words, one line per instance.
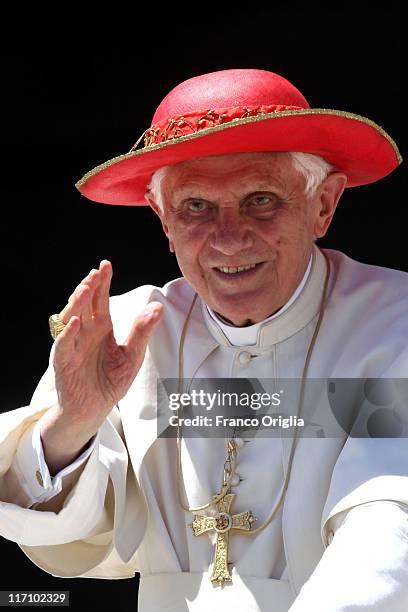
column 328, row 196
column 156, row 208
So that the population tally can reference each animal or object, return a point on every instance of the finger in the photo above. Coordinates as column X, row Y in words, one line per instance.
column 85, row 280
column 85, row 295
column 66, row 341
column 142, row 329
column 80, row 302
column 101, row 295
column 78, row 305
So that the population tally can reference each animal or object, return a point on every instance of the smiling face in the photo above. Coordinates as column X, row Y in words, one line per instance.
column 242, row 229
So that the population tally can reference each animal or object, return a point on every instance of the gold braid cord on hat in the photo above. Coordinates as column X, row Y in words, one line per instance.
column 193, row 122
column 223, row 522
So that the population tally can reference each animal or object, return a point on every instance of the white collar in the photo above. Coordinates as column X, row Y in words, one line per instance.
column 247, row 336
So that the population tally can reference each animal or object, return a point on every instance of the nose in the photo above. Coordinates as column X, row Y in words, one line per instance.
column 231, row 234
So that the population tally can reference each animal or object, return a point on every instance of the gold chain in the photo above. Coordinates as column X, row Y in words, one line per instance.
column 229, row 465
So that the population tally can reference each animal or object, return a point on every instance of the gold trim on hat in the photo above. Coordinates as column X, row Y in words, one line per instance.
column 233, row 123
column 190, row 123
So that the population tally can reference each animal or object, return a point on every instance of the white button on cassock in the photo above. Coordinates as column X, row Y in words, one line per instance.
column 235, row 480
column 244, row 357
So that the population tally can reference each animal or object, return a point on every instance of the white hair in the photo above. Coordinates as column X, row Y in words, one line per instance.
column 313, row 168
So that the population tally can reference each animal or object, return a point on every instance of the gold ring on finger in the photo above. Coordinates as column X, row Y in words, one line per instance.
column 56, row 324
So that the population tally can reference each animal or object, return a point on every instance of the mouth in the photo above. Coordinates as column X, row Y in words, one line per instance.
column 238, row 271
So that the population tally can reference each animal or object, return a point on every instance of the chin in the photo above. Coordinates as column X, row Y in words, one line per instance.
column 239, row 303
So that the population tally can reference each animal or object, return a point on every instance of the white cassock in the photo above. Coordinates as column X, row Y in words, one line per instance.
column 340, row 540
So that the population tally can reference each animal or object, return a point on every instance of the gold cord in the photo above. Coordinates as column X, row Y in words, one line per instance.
column 231, row 459
column 232, row 447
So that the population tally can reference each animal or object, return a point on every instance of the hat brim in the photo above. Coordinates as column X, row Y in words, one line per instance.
column 353, row 144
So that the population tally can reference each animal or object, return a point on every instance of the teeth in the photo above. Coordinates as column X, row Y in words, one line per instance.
column 227, row 270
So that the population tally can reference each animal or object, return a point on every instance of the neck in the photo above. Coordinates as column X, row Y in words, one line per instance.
column 247, row 322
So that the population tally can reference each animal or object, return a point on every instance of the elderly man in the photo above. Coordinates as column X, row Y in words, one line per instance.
column 244, row 177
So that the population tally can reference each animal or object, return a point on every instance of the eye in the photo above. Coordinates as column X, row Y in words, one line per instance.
column 262, row 204
column 197, row 206
column 260, row 200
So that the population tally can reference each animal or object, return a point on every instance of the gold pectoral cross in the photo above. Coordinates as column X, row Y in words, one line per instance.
column 222, row 523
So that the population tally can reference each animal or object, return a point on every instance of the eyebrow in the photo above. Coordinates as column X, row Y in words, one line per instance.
column 196, row 190
column 180, row 197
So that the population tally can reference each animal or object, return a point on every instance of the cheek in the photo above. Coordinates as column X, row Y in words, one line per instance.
column 274, row 233
column 190, row 266
column 293, row 227
column 287, row 236
column 189, row 240
column 183, row 229
column 189, row 244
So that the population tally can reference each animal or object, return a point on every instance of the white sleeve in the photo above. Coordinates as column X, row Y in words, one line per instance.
column 366, row 565
column 32, row 470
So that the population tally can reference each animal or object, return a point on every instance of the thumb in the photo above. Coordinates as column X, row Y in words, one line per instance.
column 142, row 329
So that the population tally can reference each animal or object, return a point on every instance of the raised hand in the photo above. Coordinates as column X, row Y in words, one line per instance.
column 92, row 372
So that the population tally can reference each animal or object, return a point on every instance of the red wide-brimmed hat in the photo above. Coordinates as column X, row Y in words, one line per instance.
column 241, row 111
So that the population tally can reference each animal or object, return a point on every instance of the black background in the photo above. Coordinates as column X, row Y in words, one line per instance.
column 75, row 94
